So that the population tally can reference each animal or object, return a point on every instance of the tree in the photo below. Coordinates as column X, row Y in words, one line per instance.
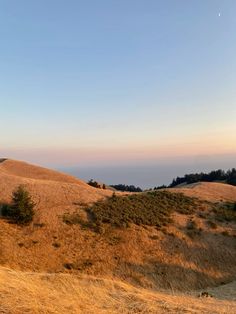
column 21, row 211
column 232, row 177
column 126, row 188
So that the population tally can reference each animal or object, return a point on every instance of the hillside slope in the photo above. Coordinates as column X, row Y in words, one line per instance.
column 181, row 255
column 68, row 294
column 53, row 192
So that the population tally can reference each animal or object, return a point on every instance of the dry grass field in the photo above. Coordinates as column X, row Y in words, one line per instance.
column 211, row 191
column 54, row 267
column 59, row 293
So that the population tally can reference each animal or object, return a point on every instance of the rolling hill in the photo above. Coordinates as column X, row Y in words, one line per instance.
column 136, row 268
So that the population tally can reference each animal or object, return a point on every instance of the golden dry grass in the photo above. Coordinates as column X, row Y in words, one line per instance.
column 126, row 260
column 59, row 293
column 211, row 191
column 53, row 192
column 145, row 256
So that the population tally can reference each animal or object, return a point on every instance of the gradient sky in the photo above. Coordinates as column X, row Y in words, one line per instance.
column 108, row 81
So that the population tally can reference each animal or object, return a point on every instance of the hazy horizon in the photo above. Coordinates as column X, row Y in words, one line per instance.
column 149, row 175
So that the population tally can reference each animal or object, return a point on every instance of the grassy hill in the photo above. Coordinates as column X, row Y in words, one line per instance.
column 178, row 240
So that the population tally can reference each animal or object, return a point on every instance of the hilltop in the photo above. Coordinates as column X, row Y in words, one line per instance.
column 52, row 191
column 211, row 191
column 192, row 247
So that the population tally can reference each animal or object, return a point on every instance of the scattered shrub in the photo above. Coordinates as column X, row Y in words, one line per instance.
column 192, row 229
column 97, row 185
column 191, row 225
column 69, row 266
column 56, row 245
column 202, row 215
column 21, row 211
column 225, row 212
column 193, row 233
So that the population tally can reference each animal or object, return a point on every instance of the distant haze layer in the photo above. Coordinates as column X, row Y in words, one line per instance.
column 150, row 173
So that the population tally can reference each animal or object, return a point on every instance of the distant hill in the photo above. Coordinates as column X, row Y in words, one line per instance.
column 212, row 191
column 52, row 191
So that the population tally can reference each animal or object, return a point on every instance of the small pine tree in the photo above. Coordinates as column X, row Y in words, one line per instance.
column 22, row 209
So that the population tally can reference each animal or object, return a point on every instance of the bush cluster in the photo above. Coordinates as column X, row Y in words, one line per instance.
column 21, row 210
column 150, row 208
column 97, row 185
column 225, row 212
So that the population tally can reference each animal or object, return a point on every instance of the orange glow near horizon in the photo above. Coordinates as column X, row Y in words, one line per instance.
column 72, row 156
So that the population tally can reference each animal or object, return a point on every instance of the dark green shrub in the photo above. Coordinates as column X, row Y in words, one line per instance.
column 56, row 244
column 97, row 185
column 6, row 209
column 21, row 211
column 225, row 212
column 151, row 208
column 192, row 225
column 69, row 266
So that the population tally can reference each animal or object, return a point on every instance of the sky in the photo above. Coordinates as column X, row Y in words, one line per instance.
column 128, row 83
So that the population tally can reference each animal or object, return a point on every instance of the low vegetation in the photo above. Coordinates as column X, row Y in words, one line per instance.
column 150, row 208
column 97, row 185
column 21, row 210
column 225, row 212
column 192, row 229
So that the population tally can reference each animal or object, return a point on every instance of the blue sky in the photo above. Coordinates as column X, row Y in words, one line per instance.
column 86, row 82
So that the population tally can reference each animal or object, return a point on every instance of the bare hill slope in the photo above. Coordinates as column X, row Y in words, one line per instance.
column 211, row 191
column 25, row 170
